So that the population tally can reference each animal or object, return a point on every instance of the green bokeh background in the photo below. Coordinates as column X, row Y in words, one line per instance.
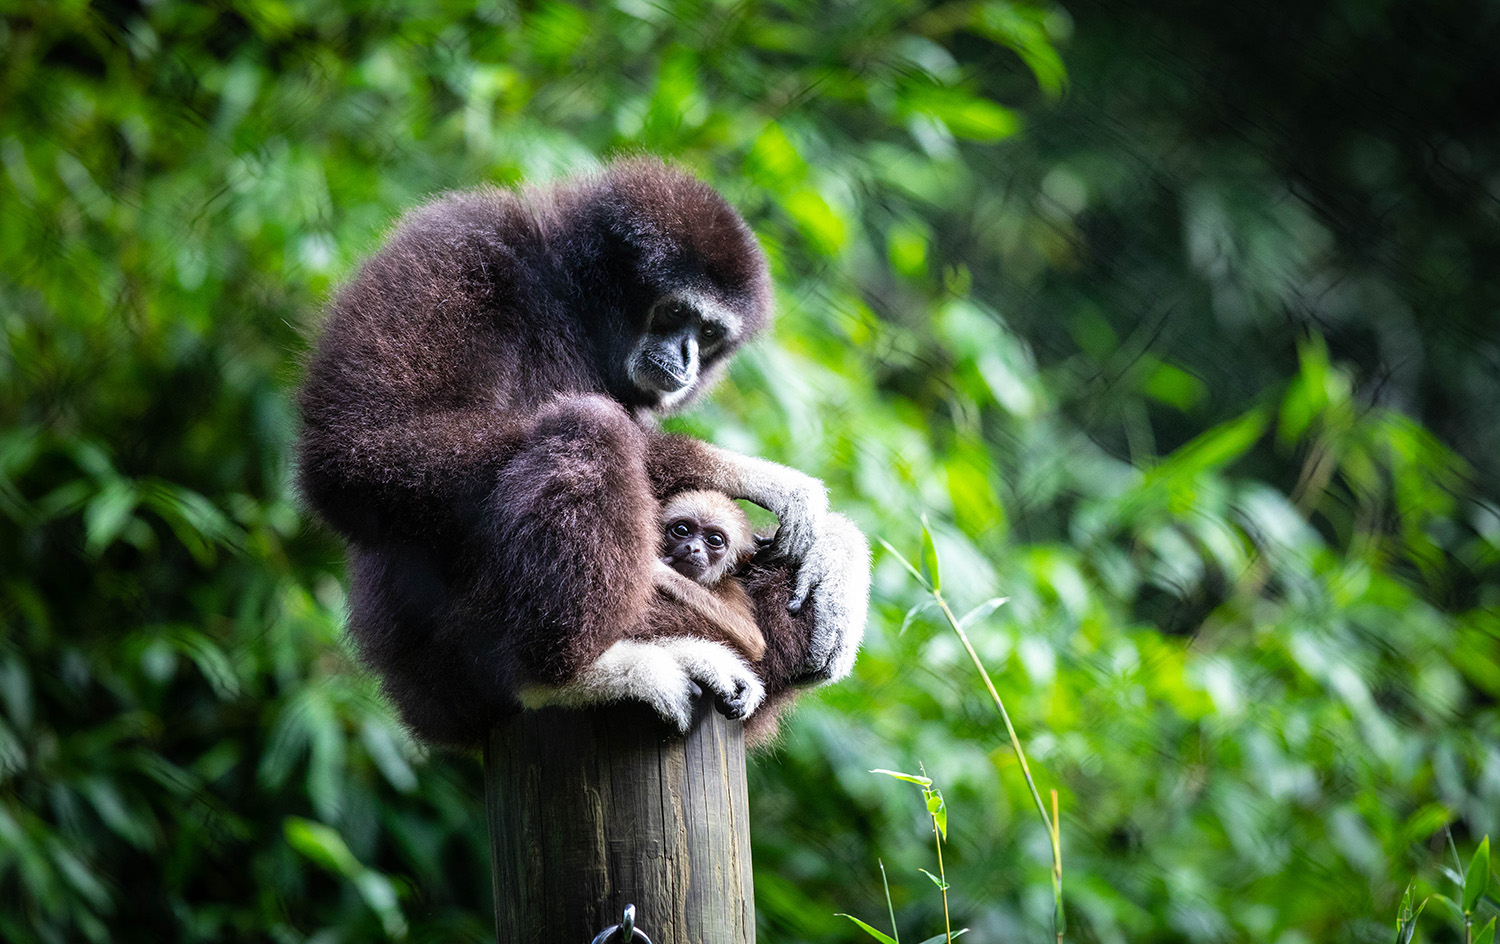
column 1178, row 321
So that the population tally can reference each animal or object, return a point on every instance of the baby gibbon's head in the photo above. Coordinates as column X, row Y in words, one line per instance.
column 705, row 536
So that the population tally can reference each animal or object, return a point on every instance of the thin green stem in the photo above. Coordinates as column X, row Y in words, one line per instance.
column 1015, row 744
column 942, row 877
column 889, row 906
column 1056, row 869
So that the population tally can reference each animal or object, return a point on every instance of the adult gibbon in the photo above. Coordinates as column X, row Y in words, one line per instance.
column 478, row 422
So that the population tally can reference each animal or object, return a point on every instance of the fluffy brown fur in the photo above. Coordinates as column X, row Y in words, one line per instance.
column 470, row 426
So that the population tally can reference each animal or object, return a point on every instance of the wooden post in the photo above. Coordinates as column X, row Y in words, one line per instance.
column 594, row 810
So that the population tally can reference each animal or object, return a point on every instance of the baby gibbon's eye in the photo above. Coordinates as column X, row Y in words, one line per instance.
column 712, row 332
column 715, row 539
column 680, row 530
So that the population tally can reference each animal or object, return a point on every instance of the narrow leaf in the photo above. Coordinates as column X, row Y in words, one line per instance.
column 1418, row 912
column 914, row 612
column 1457, row 911
column 935, row 880
column 1486, row 934
column 1406, row 917
column 1405, row 931
column 982, row 611
column 911, row 569
column 940, row 938
column 877, row 935
column 379, row 892
column 930, row 557
column 1477, row 879
column 210, row 659
column 909, row 778
column 322, row 845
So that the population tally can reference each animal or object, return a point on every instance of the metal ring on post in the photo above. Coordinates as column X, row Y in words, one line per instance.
column 629, row 933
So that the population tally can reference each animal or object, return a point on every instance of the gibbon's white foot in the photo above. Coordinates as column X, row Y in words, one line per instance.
column 667, row 674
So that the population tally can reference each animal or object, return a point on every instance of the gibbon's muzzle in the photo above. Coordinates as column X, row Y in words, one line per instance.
column 669, row 365
column 687, row 563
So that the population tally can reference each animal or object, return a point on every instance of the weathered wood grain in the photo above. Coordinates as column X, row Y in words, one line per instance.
column 592, row 810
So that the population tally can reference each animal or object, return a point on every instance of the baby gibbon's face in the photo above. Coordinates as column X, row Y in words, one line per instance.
column 699, row 550
column 705, row 536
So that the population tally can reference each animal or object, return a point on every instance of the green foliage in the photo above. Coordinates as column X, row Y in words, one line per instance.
column 1473, row 887
column 937, row 812
column 1175, row 325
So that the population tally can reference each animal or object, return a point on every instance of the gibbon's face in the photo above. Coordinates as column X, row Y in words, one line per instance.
column 696, row 548
column 689, row 283
column 685, row 333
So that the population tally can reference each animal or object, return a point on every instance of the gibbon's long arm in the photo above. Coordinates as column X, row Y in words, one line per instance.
column 409, row 480
column 733, row 616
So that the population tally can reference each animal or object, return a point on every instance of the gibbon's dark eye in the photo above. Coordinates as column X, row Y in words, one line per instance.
column 715, row 539
column 681, row 530
column 673, row 315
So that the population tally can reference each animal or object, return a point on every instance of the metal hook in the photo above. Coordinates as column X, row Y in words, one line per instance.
column 629, row 933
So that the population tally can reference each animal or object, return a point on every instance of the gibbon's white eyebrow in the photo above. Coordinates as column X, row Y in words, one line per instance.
column 710, row 309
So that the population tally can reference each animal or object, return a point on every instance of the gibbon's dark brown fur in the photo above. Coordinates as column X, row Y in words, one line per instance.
column 469, row 427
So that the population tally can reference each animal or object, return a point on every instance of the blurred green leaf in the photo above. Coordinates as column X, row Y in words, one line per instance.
column 1214, row 449
column 325, row 847
column 322, row 844
column 982, row 611
column 1477, row 878
column 1486, row 934
column 1458, row 911
column 817, row 219
column 108, row 514
column 914, row 612
column 967, row 116
column 909, row 778
column 940, row 938
column 877, row 935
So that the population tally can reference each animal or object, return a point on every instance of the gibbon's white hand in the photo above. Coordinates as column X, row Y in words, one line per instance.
column 838, row 572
